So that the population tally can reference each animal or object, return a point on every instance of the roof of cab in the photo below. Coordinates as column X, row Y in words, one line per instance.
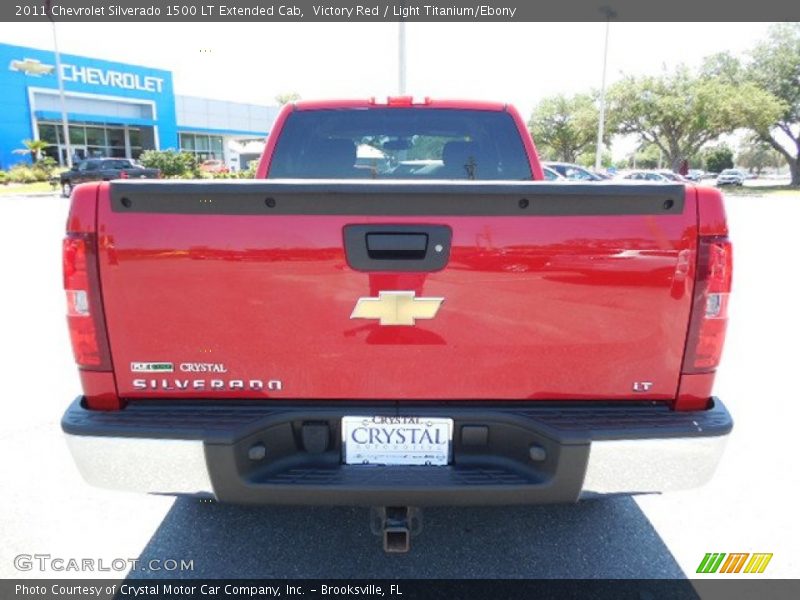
column 399, row 102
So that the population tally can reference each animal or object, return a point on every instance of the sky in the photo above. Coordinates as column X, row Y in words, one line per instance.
column 518, row 63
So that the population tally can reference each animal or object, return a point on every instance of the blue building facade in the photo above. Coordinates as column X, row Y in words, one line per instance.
column 113, row 109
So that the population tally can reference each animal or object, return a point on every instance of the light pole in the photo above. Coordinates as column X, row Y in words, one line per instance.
column 610, row 14
column 64, row 123
column 401, row 47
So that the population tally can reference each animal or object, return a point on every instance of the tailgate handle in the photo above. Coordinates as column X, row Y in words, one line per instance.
column 397, row 246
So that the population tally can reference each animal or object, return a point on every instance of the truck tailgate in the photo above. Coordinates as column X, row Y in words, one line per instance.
column 246, row 289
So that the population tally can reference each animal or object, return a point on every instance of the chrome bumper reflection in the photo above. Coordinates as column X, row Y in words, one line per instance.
column 160, row 466
column 165, row 466
column 651, row 465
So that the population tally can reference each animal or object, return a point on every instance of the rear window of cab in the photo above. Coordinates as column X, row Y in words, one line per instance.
column 400, row 143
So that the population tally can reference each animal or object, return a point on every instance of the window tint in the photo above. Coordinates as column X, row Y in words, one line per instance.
column 116, row 137
column 95, row 136
column 117, row 164
column 77, row 135
column 48, row 133
column 400, row 143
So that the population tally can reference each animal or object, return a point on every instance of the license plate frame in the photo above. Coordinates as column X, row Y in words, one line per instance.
column 397, row 441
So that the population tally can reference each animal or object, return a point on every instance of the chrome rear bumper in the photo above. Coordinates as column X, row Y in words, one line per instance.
column 587, row 453
column 159, row 466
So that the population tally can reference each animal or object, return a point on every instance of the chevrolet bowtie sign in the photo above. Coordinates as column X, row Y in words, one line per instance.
column 396, row 308
column 91, row 75
column 30, row 66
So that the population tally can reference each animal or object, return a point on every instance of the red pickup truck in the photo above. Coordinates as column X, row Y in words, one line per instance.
column 398, row 312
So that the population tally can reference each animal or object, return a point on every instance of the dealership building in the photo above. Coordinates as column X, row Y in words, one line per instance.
column 117, row 110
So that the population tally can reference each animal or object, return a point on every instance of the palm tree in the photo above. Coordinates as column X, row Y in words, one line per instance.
column 34, row 148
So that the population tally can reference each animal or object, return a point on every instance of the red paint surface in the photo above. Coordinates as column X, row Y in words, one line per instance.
column 535, row 307
column 695, row 391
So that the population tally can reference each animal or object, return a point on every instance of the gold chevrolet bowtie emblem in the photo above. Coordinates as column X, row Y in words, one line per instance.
column 30, row 66
column 396, row 308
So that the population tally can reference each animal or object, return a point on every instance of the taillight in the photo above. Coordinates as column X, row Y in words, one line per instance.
column 710, row 309
column 84, row 309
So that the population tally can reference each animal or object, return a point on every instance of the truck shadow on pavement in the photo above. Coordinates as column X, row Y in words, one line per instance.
column 608, row 538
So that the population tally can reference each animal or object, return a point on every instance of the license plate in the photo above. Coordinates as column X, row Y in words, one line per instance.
column 385, row 440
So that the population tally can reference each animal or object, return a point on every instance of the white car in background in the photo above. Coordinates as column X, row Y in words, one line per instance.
column 731, row 177
column 673, row 176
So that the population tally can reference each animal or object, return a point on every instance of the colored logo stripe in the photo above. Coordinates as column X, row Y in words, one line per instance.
column 733, row 564
column 758, row 563
column 710, row 562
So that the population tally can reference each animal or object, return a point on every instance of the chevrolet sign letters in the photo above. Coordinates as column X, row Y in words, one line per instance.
column 90, row 75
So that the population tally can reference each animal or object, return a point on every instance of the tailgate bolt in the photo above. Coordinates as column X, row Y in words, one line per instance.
column 524, row 203
column 257, row 452
column 537, row 453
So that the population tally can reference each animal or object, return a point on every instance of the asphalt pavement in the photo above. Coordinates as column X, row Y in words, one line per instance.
column 46, row 508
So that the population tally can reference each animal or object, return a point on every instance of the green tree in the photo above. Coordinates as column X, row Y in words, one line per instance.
column 171, row 163
column 775, row 68
column 587, row 159
column 680, row 112
column 718, row 158
column 286, row 98
column 648, row 156
column 33, row 148
column 565, row 127
column 723, row 66
column 756, row 155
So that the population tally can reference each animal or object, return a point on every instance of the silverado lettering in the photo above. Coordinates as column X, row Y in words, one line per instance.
column 202, row 384
column 456, row 329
